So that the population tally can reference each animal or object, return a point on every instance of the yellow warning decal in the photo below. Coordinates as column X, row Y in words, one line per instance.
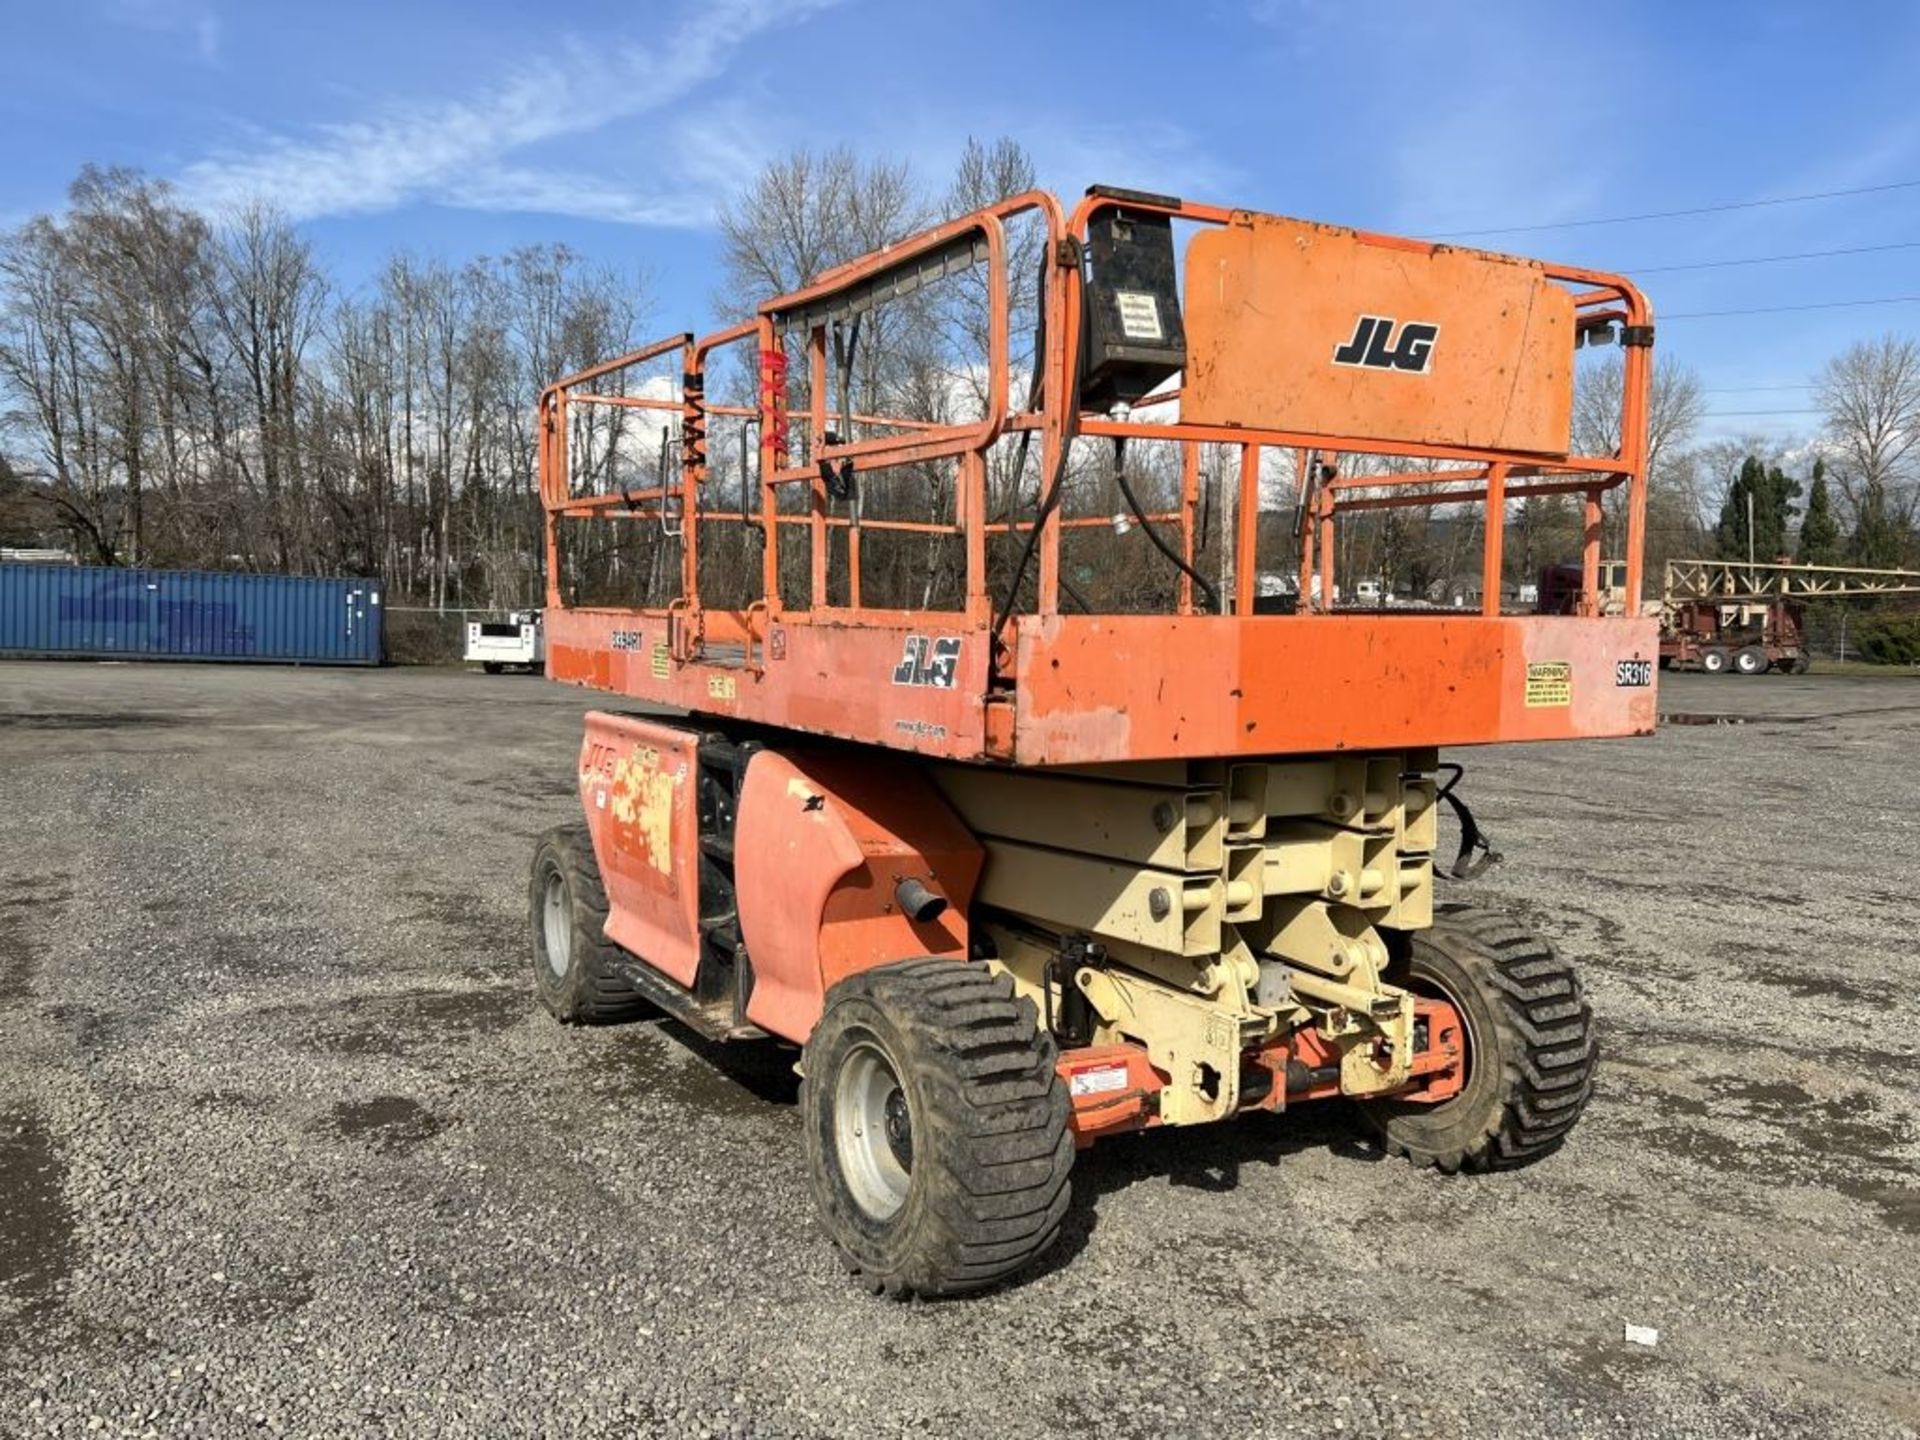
column 661, row 666
column 643, row 807
column 722, row 687
column 1549, row 683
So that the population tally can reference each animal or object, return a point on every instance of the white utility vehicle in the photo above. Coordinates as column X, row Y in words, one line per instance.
column 517, row 640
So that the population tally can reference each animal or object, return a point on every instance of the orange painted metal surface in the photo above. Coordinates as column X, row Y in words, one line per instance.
column 1112, row 1089
column 637, row 784
column 1033, row 685
column 838, row 679
column 1440, row 1071
column 1437, row 1073
column 1129, row 687
column 1439, row 345
column 821, row 841
column 1095, row 689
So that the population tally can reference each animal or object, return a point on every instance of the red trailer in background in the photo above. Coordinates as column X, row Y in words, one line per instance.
column 1748, row 639
column 1723, row 615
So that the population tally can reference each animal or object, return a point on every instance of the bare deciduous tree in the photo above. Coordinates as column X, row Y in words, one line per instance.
column 1676, row 507
column 183, row 394
column 1869, row 395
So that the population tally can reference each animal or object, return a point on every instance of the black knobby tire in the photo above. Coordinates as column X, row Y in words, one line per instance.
column 581, row 986
column 1751, row 660
column 982, row 1157
column 1530, row 1046
column 1714, row 662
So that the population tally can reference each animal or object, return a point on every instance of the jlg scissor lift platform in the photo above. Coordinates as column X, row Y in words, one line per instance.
column 1017, row 875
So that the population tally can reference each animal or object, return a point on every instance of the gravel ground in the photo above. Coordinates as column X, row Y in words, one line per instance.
column 284, row 1144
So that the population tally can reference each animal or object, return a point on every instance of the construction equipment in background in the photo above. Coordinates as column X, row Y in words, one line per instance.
column 1016, row 875
column 519, row 641
column 1734, row 616
column 1562, row 589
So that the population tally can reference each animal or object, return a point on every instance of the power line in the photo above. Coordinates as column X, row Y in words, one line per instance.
column 1768, row 259
column 1680, row 214
column 1782, row 309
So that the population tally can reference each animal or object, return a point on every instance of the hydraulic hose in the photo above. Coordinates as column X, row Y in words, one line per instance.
column 1179, row 561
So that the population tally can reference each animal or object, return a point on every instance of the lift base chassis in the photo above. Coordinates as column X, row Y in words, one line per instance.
column 1203, row 937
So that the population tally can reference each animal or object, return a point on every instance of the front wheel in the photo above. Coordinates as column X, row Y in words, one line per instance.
column 574, row 971
column 1530, row 1050
column 1714, row 662
column 936, row 1127
column 1752, row 660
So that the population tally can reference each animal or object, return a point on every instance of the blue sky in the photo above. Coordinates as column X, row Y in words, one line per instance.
column 466, row 128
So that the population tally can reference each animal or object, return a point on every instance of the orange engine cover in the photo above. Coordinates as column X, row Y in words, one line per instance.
column 1319, row 330
column 821, row 840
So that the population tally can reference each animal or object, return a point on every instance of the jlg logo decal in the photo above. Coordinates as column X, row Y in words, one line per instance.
column 933, row 662
column 1375, row 347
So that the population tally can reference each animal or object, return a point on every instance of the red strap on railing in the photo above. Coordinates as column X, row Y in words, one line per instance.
column 773, row 400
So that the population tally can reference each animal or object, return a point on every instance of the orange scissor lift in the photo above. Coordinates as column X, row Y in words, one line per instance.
column 1017, row 876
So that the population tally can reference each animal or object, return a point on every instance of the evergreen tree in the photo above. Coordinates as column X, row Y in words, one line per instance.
column 1819, row 531
column 1774, row 514
column 1772, row 494
column 1876, row 534
column 1731, row 533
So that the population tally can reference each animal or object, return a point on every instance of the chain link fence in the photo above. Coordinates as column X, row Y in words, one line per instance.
column 1837, row 630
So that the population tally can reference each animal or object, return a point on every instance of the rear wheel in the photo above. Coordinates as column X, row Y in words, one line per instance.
column 1714, row 662
column 1529, row 1047
column 1752, row 660
column 573, row 961
column 936, row 1127
column 492, row 667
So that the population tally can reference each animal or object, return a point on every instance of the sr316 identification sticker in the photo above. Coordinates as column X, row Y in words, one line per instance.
column 929, row 660
column 1632, row 674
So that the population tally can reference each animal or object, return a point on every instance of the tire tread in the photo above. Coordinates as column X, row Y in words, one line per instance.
column 993, row 1180
column 1546, row 1036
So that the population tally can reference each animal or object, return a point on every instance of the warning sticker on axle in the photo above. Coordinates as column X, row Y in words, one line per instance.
column 1549, row 683
column 1098, row 1082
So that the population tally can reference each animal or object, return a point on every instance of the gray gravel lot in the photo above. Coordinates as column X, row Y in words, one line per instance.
column 284, row 1144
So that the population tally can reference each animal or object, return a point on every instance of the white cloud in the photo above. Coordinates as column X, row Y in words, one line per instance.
column 472, row 151
column 1156, row 156
column 196, row 20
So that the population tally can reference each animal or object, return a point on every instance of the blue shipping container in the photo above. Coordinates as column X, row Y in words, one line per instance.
column 62, row 610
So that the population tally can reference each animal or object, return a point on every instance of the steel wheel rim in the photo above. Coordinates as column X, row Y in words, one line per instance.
column 556, row 924
column 873, row 1131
